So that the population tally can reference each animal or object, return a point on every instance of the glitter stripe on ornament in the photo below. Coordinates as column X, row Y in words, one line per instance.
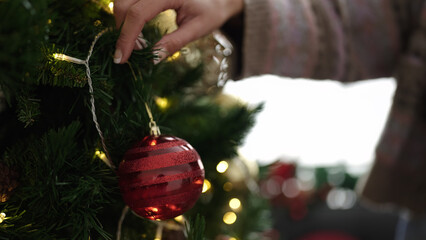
column 143, row 176
column 162, row 179
column 162, row 201
column 162, row 189
column 156, row 144
column 148, row 153
column 159, row 161
column 148, row 175
column 149, row 191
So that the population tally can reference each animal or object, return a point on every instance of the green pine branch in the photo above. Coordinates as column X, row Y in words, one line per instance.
column 196, row 227
column 63, row 188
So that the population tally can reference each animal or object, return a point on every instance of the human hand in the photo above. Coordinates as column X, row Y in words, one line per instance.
column 195, row 19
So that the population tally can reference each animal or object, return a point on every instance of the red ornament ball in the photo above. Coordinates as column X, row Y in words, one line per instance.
column 161, row 177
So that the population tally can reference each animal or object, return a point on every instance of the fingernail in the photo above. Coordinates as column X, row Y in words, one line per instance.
column 142, row 41
column 160, row 55
column 138, row 45
column 117, row 56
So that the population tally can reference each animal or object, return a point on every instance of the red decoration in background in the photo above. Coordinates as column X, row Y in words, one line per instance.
column 280, row 173
column 283, row 170
column 161, row 177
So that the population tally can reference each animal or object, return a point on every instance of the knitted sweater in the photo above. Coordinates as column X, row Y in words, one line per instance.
column 348, row 40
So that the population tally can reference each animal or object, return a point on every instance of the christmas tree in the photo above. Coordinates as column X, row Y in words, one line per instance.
column 68, row 114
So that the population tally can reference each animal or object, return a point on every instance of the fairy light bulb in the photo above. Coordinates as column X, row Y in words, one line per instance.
column 101, row 155
column 63, row 57
column 59, row 56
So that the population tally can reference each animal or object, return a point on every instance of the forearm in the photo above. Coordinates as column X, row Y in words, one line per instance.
column 321, row 39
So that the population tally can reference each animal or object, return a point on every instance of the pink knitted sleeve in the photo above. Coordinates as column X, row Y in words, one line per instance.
column 344, row 40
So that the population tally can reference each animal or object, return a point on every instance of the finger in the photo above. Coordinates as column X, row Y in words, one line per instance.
column 120, row 10
column 137, row 15
column 174, row 41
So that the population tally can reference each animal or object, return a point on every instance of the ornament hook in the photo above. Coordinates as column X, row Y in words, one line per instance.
column 154, row 129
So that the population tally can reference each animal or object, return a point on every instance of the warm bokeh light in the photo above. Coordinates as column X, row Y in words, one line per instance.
column 222, row 166
column 162, row 103
column 2, row 216
column 175, row 56
column 235, row 203
column 179, row 219
column 111, row 7
column 227, row 186
column 229, row 218
column 206, row 185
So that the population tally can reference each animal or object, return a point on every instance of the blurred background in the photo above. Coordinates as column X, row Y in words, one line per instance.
column 316, row 140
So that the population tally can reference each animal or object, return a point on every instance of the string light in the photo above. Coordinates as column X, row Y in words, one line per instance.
column 235, row 203
column 222, row 166
column 63, row 57
column 229, row 218
column 2, row 216
column 206, row 185
column 101, row 155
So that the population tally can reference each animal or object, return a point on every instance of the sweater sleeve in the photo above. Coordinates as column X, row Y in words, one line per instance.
column 343, row 40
